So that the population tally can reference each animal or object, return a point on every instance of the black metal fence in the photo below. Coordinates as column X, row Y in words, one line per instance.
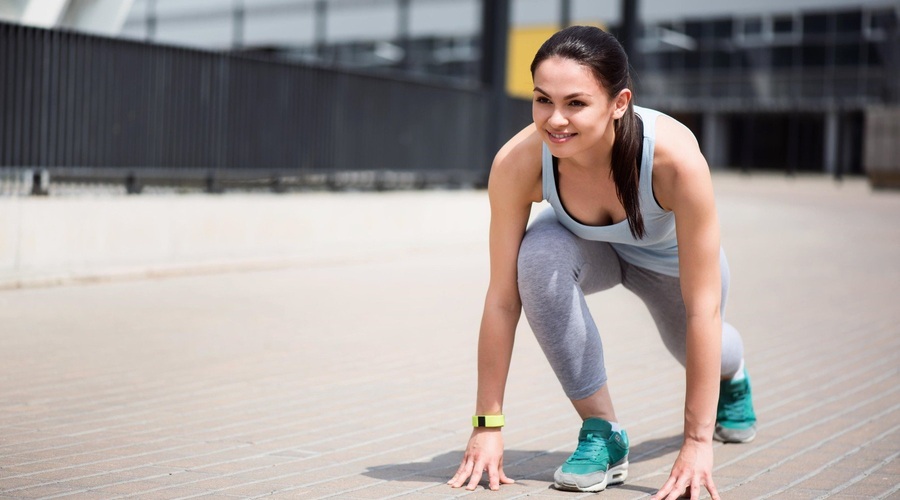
column 87, row 107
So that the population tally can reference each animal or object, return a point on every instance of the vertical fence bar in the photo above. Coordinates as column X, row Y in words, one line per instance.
column 81, row 78
column 18, row 68
column 6, row 79
column 43, row 149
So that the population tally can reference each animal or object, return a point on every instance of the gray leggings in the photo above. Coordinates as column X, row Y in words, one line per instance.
column 557, row 269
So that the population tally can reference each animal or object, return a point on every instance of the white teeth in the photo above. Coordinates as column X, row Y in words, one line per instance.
column 561, row 136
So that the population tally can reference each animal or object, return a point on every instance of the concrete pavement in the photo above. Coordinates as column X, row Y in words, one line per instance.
column 353, row 376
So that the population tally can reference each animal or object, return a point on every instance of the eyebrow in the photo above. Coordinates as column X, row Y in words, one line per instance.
column 566, row 98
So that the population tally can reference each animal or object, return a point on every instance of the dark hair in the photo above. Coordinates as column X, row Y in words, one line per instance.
column 604, row 56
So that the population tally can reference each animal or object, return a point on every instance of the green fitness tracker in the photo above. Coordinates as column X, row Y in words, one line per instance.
column 488, row 421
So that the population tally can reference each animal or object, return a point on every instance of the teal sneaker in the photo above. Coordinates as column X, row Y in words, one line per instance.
column 735, row 419
column 600, row 460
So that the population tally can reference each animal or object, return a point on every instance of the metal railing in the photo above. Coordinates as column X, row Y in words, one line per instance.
column 85, row 108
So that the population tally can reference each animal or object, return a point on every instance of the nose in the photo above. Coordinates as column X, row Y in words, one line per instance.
column 557, row 119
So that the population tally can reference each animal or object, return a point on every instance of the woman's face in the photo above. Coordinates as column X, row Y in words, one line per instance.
column 572, row 111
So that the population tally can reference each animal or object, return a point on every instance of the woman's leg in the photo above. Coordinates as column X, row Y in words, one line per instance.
column 555, row 271
column 735, row 417
column 662, row 295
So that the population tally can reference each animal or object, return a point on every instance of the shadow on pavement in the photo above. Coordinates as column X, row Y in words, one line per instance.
column 536, row 465
column 654, row 448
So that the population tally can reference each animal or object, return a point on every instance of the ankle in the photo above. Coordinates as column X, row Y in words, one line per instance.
column 737, row 376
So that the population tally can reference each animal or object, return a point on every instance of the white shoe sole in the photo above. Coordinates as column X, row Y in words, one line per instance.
column 726, row 435
column 579, row 482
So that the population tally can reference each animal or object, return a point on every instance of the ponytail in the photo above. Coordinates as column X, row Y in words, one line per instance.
column 626, row 171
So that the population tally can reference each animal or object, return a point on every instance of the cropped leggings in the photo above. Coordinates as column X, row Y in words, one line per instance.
column 556, row 269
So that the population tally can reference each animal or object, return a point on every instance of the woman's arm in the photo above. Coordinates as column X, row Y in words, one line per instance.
column 685, row 187
column 514, row 184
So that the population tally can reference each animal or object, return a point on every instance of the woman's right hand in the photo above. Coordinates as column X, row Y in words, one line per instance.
column 483, row 453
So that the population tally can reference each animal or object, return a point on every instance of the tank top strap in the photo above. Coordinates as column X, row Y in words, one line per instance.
column 648, row 116
column 546, row 171
column 648, row 121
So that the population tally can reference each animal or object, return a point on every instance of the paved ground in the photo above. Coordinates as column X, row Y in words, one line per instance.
column 356, row 379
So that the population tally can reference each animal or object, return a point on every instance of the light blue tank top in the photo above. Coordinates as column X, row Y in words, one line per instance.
column 658, row 249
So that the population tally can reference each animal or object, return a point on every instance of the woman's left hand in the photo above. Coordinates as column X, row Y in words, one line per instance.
column 691, row 473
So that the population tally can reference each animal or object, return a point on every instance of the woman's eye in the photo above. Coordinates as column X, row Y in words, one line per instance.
column 577, row 103
column 542, row 100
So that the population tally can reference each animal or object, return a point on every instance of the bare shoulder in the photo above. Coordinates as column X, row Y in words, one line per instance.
column 676, row 147
column 678, row 163
column 516, row 169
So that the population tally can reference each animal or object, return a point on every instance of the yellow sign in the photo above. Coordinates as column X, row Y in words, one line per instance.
column 524, row 42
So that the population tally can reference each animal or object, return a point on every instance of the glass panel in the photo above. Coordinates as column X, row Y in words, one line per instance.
column 815, row 24
column 847, row 54
column 721, row 59
column 783, row 24
column 875, row 54
column 782, row 57
column 849, row 22
column 692, row 60
column 694, row 29
column 753, row 26
column 883, row 20
column 814, row 56
column 722, row 28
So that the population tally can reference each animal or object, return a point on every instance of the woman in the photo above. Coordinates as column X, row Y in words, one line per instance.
column 620, row 180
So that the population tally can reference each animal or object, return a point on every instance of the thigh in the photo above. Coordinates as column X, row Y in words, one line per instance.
column 550, row 251
column 662, row 296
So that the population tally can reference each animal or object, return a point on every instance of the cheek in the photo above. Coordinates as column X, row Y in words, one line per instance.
column 596, row 122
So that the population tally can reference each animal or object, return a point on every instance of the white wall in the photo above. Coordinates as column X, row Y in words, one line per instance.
column 65, row 239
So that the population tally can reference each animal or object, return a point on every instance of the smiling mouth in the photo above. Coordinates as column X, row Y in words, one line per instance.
column 560, row 137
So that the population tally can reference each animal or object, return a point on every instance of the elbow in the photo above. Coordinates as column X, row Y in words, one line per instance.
column 710, row 312
column 509, row 306
column 507, row 303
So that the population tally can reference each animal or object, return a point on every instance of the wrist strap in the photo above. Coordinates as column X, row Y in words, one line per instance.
column 488, row 421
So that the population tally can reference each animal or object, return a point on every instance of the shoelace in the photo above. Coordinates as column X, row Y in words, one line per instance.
column 733, row 406
column 589, row 448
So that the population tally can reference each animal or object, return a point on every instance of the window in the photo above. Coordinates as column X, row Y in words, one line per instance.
column 815, row 24
column 875, row 53
column 847, row 54
column 849, row 22
column 782, row 57
column 721, row 59
column 753, row 27
column 783, row 25
column 694, row 29
column 722, row 29
column 692, row 60
column 883, row 20
column 814, row 56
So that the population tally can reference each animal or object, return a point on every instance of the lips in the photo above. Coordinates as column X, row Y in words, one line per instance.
column 559, row 138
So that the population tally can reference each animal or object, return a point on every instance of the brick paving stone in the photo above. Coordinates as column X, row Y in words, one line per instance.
column 355, row 379
column 42, row 491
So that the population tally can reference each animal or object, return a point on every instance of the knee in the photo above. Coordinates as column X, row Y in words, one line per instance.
column 545, row 261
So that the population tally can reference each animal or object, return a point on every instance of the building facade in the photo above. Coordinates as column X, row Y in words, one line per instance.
column 773, row 84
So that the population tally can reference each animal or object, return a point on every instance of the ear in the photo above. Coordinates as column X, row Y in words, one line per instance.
column 621, row 103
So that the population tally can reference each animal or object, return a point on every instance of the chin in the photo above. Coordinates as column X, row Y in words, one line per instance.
column 559, row 150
